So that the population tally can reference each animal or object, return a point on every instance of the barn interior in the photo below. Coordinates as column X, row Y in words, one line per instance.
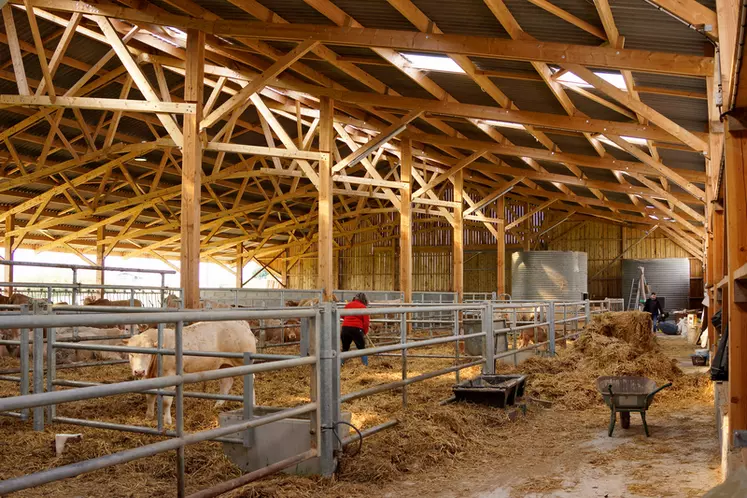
column 521, row 172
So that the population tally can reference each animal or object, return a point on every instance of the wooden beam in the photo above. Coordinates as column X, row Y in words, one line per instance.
column 101, row 104
column 735, row 183
column 444, row 108
column 529, row 214
column 387, row 134
column 255, row 150
column 257, row 83
column 461, row 164
column 639, row 107
column 497, row 194
column 15, row 51
column 325, row 258
column 192, row 172
column 39, row 45
column 608, row 163
column 501, row 248
column 10, row 223
column 405, row 222
column 139, row 78
column 481, row 46
column 458, row 241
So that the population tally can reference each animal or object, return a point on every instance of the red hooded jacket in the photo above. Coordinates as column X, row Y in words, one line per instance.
column 360, row 321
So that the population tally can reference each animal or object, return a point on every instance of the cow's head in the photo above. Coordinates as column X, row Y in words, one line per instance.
column 140, row 362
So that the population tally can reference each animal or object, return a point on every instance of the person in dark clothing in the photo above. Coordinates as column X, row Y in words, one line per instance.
column 653, row 306
column 355, row 328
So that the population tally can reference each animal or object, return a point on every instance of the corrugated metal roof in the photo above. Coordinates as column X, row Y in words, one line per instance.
column 397, row 80
column 573, row 144
column 682, row 159
column 461, row 17
column 296, row 11
column 547, row 27
column 646, row 28
column 377, row 14
column 670, row 82
column 462, row 88
column 690, row 113
column 531, row 96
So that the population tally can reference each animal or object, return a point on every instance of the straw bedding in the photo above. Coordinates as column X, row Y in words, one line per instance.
column 430, row 440
column 612, row 344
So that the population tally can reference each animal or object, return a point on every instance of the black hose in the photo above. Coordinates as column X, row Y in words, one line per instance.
column 360, row 436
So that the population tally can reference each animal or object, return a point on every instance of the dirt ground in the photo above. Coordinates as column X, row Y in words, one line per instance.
column 445, row 451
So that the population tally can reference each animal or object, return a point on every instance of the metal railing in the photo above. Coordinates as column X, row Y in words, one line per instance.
column 76, row 293
column 319, row 348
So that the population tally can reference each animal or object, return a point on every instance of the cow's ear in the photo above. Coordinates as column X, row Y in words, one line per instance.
column 154, row 344
column 126, row 342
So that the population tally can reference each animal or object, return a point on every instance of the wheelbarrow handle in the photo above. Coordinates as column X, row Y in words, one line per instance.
column 651, row 394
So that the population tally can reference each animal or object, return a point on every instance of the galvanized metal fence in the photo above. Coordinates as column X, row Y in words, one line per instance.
column 481, row 326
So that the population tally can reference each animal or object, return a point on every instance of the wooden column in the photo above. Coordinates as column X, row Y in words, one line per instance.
column 405, row 222
column 500, row 248
column 10, row 224
column 735, row 184
column 239, row 266
column 458, row 250
column 526, row 226
column 325, row 258
column 192, row 171
column 100, row 258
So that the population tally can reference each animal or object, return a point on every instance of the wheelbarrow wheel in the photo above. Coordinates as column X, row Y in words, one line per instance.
column 625, row 420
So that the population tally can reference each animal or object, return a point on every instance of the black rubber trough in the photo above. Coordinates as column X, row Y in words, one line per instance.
column 494, row 390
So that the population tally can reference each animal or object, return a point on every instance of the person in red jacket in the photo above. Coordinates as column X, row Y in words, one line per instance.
column 355, row 328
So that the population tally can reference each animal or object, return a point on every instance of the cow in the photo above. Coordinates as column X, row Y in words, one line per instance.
column 526, row 337
column 224, row 337
column 4, row 299
column 122, row 303
column 76, row 355
column 275, row 331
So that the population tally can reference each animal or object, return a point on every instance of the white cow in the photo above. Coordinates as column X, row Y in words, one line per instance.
column 223, row 337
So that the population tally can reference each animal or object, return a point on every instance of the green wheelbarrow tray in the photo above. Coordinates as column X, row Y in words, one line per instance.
column 628, row 394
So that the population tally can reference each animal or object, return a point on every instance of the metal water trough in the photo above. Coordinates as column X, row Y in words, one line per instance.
column 494, row 390
column 273, row 442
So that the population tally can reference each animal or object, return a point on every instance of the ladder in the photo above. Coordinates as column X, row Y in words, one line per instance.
column 640, row 287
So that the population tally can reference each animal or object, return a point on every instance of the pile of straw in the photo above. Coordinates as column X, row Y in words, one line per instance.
column 612, row 344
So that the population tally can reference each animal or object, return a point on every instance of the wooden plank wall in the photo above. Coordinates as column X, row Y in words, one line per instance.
column 368, row 260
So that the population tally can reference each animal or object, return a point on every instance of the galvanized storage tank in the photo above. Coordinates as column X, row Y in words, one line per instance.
column 549, row 275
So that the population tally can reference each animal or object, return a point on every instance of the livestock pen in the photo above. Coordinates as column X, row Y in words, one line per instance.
column 325, row 393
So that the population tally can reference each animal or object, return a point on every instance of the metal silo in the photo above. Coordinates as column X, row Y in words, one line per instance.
column 556, row 275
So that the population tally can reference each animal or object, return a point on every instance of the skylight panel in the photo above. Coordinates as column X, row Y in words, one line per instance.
column 504, row 124
column 632, row 140
column 570, row 79
column 433, row 63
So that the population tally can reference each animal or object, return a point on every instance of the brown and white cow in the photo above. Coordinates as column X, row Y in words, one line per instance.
column 223, row 337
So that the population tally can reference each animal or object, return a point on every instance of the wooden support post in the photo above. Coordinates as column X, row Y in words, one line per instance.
column 405, row 222
column 240, row 266
column 735, row 183
column 192, row 171
column 325, row 255
column 715, row 267
column 527, row 225
column 458, row 250
column 501, row 247
column 10, row 225
column 100, row 252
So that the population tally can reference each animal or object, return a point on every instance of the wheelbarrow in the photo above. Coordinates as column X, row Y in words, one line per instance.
column 626, row 395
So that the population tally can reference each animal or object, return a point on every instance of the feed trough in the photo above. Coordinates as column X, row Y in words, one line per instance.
column 494, row 390
column 628, row 394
